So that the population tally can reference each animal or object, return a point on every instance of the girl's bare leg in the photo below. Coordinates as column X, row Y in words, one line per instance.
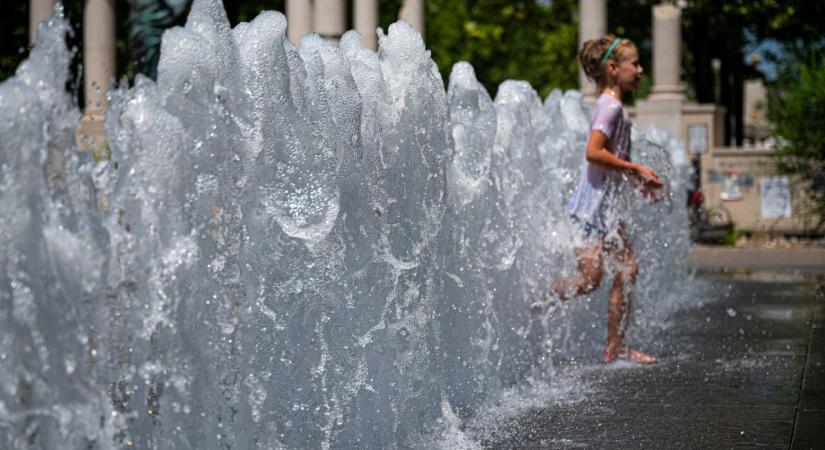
column 590, row 264
column 617, row 310
column 619, row 304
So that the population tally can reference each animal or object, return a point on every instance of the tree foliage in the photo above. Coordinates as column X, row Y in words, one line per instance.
column 147, row 21
column 14, row 21
column 527, row 40
column 722, row 30
column 796, row 107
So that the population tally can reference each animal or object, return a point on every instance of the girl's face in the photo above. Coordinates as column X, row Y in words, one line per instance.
column 626, row 72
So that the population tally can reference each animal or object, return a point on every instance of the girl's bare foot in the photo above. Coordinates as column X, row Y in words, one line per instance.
column 611, row 354
column 639, row 357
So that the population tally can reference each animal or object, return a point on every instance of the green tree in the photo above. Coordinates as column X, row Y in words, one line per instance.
column 14, row 21
column 721, row 30
column 796, row 107
column 527, row 40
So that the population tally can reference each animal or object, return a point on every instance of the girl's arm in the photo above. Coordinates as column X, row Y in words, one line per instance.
column 598, row 154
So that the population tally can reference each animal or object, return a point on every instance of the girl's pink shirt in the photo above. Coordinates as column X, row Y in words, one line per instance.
column 609, row 117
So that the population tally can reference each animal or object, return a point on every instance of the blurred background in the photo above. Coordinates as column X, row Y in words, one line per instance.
column 741, row 82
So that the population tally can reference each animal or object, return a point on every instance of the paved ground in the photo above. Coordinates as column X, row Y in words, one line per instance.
column 745, row 370
column 803, row 260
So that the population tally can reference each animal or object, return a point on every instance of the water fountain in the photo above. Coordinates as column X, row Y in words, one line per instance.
column 289, row 248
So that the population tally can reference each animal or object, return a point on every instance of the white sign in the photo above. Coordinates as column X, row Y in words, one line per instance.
column 776, row 197
column 697, row 138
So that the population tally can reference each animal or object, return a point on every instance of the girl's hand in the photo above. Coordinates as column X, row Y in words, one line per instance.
column 652, row 194
column 649, row 184
column 648, row 177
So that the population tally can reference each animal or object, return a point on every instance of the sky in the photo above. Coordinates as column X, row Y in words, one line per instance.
column 761, row 48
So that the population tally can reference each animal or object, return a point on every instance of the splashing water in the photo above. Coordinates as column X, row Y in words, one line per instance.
column 289, row 248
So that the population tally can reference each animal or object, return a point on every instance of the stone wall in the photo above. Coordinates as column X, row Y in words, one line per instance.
column 744, row 182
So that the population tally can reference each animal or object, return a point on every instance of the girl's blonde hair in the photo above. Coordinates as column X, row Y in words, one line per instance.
column 591, row 56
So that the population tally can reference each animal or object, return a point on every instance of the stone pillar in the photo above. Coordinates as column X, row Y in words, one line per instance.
column 329, row 18
column 755, row 101
column 592, row 25
column 99, row 69
column 412, row 12
column 667, row 52
column 298, row 19
column 39, row 10
column 366, row 21
column 665, row 105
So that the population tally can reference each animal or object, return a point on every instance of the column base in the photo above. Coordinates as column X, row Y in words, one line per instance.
column 665, row 113
column 90, row 135
column 666, row 92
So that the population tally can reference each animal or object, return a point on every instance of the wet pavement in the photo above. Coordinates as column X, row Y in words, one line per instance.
column 744, row 370
column 722, row 258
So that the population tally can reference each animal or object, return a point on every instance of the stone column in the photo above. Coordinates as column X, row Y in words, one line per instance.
column 592, row 25
column 366, row 21
column 412, row 12
column 39, row 10
column 665, row 105
column 298, row 19
column 99, row 69
column 754, row 102
column 667, row 52
column 329, row 18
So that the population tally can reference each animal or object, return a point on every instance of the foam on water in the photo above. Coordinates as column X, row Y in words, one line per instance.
column 292, row 248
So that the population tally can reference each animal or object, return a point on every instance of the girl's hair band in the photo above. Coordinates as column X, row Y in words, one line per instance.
column 612, row 47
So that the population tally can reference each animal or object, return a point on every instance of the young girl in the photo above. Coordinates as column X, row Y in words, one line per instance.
column 613, row 64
